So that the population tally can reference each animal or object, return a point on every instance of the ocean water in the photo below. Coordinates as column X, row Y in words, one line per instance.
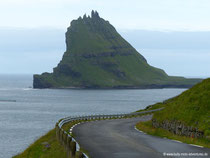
column 26, row 113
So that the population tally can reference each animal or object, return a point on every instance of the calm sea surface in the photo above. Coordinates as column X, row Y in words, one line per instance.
column 36, row 111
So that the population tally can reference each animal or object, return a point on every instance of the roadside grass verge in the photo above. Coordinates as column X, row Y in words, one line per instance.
column 149, row 129
column 153, row 107
column 46, row 146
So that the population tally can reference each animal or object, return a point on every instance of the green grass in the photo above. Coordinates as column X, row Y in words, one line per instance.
column 39, row 150
column 153, row 107
column 149, row 129
column 191, row 108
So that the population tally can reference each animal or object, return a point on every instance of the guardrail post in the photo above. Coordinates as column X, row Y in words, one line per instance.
column 57, row 131
column 60, row 135
column 73, row 149
column 65, row 140
column 69, row 139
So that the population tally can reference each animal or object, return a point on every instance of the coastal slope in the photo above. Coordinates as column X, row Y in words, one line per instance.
column 185, row 116
column 191, row 108
column 98, row 57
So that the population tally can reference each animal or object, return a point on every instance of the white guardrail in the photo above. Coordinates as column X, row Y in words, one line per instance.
column 71, row 145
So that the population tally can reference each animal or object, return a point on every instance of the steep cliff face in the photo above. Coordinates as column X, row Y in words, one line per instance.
column 98, row 57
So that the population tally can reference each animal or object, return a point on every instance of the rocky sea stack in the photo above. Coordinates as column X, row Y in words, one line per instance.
column 98, row 57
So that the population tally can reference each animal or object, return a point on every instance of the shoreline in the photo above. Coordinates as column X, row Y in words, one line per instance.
column 121, row 87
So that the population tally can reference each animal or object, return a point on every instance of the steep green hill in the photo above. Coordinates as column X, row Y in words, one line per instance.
column 98, row 57
column 191, row 108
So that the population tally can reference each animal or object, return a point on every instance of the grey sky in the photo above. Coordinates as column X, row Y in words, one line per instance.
column 171, row 34
column 123, row 14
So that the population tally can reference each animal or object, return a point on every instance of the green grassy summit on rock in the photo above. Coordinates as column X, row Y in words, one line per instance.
column 98, row 57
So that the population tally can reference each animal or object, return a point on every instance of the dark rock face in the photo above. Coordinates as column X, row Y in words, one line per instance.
column 39, row 82
column 178, row 128
column 67, row 70
column 98, row 57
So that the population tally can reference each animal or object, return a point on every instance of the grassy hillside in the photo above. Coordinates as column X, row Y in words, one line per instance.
column 98, row 57
column 191, row 108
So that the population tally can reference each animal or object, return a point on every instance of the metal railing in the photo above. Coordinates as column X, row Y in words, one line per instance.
column 71, row 145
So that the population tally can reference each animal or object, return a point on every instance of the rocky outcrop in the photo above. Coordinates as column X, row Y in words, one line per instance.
column 178, row 128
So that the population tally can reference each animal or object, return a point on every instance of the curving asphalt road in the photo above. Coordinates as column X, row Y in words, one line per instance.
column 119, row 139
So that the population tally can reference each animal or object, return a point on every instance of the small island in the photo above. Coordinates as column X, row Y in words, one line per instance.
column 98, row 57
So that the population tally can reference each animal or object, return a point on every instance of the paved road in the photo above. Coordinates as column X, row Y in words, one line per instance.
column 119, row 139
